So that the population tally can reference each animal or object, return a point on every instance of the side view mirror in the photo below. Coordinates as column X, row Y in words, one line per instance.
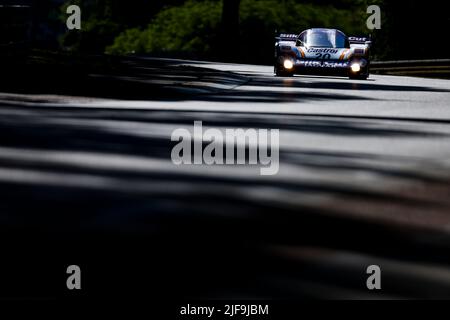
column 300, row 43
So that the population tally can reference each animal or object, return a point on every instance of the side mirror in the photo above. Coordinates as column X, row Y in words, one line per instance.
column 300, row 43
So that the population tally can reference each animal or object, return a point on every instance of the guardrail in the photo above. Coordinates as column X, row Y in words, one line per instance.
column 436, row 68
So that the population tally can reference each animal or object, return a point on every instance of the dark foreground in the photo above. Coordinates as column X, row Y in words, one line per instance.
column 86, row 179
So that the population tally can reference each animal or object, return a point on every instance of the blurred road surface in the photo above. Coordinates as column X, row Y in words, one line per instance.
column 86, row 177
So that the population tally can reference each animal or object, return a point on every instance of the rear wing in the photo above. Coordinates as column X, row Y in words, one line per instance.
column 360, row 41
column 286, row 37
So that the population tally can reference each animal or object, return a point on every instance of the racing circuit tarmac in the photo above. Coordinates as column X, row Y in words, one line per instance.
column 364, row 179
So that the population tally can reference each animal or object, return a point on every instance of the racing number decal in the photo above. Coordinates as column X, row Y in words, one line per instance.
column 322, row 56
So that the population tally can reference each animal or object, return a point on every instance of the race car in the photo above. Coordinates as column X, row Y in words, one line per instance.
column 323, row 52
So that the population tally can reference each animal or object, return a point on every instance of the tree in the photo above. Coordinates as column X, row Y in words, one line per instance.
column 230, row 26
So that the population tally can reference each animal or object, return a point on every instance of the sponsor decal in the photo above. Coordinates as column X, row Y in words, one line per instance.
column 334, row 65
column 322, row 50
column 288, row 36
column 317, row 64
column 358, row 39
column 324, row 64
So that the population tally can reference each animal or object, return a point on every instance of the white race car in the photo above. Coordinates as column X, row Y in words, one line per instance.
column 323, row 52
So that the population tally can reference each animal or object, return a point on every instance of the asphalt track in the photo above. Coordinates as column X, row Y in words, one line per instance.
column 364, row 179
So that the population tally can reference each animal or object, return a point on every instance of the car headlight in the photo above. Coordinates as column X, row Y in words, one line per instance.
column 288, row 64
column 356, row 67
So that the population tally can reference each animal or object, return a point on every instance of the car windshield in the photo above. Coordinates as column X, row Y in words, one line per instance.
column 325, row 39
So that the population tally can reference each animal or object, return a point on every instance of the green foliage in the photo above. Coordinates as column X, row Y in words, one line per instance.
column 98, row 26
column 194, row 27
column 259, row 20
column 104, row 20
column 130, row 41
column 188, row 28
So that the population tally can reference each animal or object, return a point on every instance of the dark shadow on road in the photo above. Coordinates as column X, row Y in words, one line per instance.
column 100, row 182
column 343, row 84
column 166, row 80
column 96, row 187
